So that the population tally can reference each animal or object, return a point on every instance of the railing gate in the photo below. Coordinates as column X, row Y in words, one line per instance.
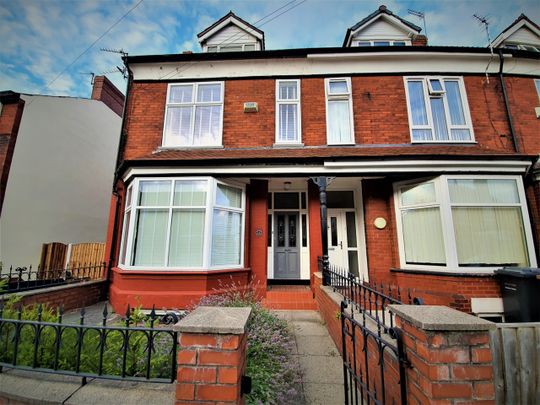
column 374, row 363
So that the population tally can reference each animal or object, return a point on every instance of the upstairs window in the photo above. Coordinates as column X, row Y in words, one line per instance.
column 288, row 115
column 194, row 114
column 339, row 117
column 537, row 84
column 438, row 110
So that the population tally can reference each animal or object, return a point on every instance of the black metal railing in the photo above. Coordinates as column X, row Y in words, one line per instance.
column 137, row 349
column 369, row 298
column 374, row 368
column 31, row 278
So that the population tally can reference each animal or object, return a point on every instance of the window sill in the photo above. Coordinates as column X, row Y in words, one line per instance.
column 163, row 148
column 139, row 270
column 340, row 144
column 444, row 142
column 288, row 145
column 446, row 272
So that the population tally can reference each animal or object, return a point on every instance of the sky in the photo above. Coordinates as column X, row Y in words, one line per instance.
column 42, row 38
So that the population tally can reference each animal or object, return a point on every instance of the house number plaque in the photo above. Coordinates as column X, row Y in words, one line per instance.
column 258, row 233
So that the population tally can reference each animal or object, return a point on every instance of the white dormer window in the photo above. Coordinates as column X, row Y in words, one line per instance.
column 523, row 47
column 232, row 48
column 382, row 43
column 288, row 127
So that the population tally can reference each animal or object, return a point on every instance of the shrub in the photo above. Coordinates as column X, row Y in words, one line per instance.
column 275, row 372
column 91, row 347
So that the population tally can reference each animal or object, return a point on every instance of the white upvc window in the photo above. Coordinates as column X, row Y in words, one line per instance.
column 231, row 48
column 339, row 112
column 183, row 223
column 194, row 115
column 288, row 112
column 382, row 42
column 463, row 223
column 438, row 110
column 537, row 85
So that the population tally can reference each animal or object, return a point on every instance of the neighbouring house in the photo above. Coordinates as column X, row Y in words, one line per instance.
column 57, row 158
column 422, row 156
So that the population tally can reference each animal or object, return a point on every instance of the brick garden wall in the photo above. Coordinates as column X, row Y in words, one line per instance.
column 68, row 296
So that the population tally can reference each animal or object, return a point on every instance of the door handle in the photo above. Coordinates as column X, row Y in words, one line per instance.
column 341, row 245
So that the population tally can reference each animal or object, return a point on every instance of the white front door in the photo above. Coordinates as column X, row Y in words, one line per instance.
column 343, row 239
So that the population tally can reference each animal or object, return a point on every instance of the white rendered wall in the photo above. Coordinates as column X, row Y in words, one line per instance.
column 60, row 181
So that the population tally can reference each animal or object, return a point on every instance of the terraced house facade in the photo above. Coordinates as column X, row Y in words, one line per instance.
column 423, row 156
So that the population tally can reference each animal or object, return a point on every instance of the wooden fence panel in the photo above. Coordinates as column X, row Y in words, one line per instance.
column 83, row 253
column 53, row 256
column 516, row 361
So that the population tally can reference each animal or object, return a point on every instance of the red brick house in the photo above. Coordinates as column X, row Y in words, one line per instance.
column 427, row 153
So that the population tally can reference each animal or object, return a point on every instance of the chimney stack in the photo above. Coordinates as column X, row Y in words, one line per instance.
column 106, row 92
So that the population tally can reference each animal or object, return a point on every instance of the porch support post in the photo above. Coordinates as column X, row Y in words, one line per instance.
column 322, row 182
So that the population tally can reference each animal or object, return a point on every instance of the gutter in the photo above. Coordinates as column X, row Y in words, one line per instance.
column 506, row 103
column 121, row 143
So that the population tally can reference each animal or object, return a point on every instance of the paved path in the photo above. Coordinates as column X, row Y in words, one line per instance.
column 322, row 368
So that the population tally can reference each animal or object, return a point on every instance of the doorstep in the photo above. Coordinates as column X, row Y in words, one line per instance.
column 293, row 297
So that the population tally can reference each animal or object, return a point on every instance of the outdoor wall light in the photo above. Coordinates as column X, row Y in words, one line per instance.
column 287, row 185
column 380, row 223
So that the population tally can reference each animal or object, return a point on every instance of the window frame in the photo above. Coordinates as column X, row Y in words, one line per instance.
column 165, row 143
column 407, row 42
column 537, row 88
column 442, row 200
column 243, row 46
column 426, row 85
column 298, row 102
column 339, row 97
column 209, row 206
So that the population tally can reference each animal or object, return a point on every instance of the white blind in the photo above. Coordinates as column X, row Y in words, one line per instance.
column 187, row 238
column 423, row 236
column 151, row 237
column 339, row 122
column 226, row 232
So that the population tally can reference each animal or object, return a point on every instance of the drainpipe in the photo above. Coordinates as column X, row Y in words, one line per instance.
column 121, row 144
column 322, row 182
column 506, row 103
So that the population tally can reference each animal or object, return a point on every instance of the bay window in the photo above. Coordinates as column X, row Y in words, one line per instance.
column 464, row 223
column 288, row 116
column 339, row 117
column 191, row 223
column 438, row 109
column 194, row 114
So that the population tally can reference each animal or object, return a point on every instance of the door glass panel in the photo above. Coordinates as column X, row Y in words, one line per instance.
column 333, row 231
column 281, row 230
column 303, row 200
column 340, row 199
column 270, row 230
column 304, row 230
column 353, row 262
column 292, row 231
column 269, row 201
column 286, row 201
column 351, row 229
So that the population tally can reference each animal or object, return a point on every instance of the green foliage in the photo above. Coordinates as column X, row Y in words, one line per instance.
column 44, row 349
column 274, row 371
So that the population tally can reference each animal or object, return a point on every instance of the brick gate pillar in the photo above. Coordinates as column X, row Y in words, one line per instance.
column 449, row 354
column 211, row 356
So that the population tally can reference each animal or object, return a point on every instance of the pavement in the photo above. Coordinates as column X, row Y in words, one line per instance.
column 320, row 361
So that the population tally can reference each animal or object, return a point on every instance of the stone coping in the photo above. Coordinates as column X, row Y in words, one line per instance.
column 440, row 318
column 216, row 320
column 38, row 291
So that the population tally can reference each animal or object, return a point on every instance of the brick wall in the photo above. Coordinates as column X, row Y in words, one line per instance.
column 68, row 296
column 446, row 366
column 10, row 119
column 380, row 113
